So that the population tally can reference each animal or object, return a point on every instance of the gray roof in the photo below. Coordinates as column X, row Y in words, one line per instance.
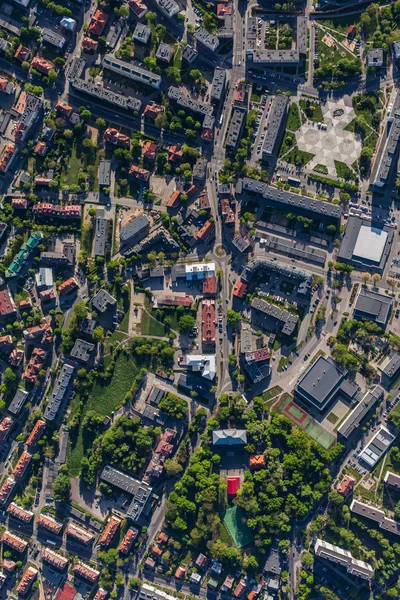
column 377, row 447
column 246, row 340
column 57, row 395
column 82, row 350
column 155, row 396
column 298, row 249
column 375, row 514
column 392, row 479
column 235, row 128
column 52, row 37
column 165, row 52
column 276, row 267
column 200, row 169
column 218, row 84
column 100, row 237
column 257, row 372
column 388, row 146
column 257, row 54
column 153, row 414
column 54, row 258
column 287, row 321
column 189, row 54
column 375, row 57
column 135, row 230
column 208, row 40
column 322, row 382
column 240, row 243
column 354, row 419
column 140, row 491
column 275, row 124
column 102, row 93
column 132, row 71
column 104, row 172
column 349, row 242
column 189, row 103
column 292, row 201
column 102, row 300
column 18, row 402
column 142, row 33
column 169, row 7
column 229, row 437
column 392, row 367
column 373, row 306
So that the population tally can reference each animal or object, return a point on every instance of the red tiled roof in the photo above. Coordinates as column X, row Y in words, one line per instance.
column 139, row 173
column 206, row 231
column 98, row 22
column 89, row 44
column 175, row 153
column 210, row 285
column 7, row 305
column 174, row 200
column 22, row 53
column 346, row 485
column 6, row 157
column 149, row 150
column 240, row 289
column 42, row 65
column 65, row 109
column 233, row 485
column 40, row 148
column 208, row 322
column 257, row 461
column 153, row 110
column 116, row 137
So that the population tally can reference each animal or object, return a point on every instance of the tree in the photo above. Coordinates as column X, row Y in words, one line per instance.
column 101, row 123
column 233, row 317
column 92, row 212
column 98, row 334
column 86, row 115
column 172, row 467
column 397, row 511
column 186, row 322
column 9, row 380
column 174, row 74
column 52, row 76
column 376, row 278
column 135, row 583
column 365, row 277
column 62, row 488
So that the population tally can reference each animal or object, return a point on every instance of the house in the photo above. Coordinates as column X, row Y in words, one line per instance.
column 42, row 65
column 226, row 587
column 240, row 589
column 89, row 45
column 22, row 54
column 149, row 150
column 233, row 485
column 135, row 231
column 351, row 31
column 205, row 233
column 175, row 153
column 67, row 286
column 35, row 365
column 64, row 109
column 19, row 203
column 27, row 579
column 195, row 578
column 113, row 136
column 6, row 87
column 102, row 301
column 6, row 157
column 40, row 149
column 8, row 308
column 165, row 52
column 141, row 33
column 139, row 173
column 180, row 573
column 229, row 437
column 138, row 7
column 346, row 486
column 152, row 110
column 149, row 563
column 98, row 22
column 240, row 289
column 174, row 200
column 257, row 461
column 375, row 57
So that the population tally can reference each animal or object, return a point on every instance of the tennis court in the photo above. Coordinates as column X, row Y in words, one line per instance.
column 302, row 419
column 239, row 531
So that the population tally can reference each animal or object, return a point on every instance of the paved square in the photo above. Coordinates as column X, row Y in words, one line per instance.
column 334, row 143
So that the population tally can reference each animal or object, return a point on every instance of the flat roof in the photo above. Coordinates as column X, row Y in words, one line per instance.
column 370, row 243
column 320, row 380
column 353, row 420
column 377, row 447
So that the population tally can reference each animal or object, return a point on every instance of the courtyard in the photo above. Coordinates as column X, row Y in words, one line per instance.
column 331, row 142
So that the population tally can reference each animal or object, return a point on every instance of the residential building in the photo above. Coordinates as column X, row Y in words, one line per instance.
column 280, row 198
column 100, row 594
column 40, row 149
column 188, row 103
column 14, row 542
column 375, row 514
column 257, row 461
column 218, row 85
column 200, row 170
column 103, row 94
column 17, row 403
column 152, row 110
column 139, row 173
column 390, row 368
column 208, row 322
column 141, row 493
column 359, row 412
column 392, row 479
column 377, row 447
column 27, row 109
column 6, row 489
column 141, row 33
column 275, row 126
column 203, row 364
column 344, row 558
column 132, row 71
column 210, row 286
column 27, row 579
column 165, row 52
column 239, row 289
column 138, row 7
column 346, row 486
column 149, row 150
column 135, row 231
column 206, row 40
column 19, row 513
column 113, row 136
column 54, row 559
column 86, row 572
column 42, row 65
column 274, row 318
column 373, row 306
column 169, row 7
column 49, row 523
column 22, row 465
column 67, row 211
column 387, row 150
column 175, row 153
column 49, row 36
column 104, row 172
column 6, row 157
column 128, row 540
column 35, row 365
column 79, row 533
column 68, row 23
column 100, row 239
column 375, row 57
column 22, row 54
column 89, row 45
column 42, row 332
column 64, row 109
column 8, row 308
column 396, row 50
column 260, row 56
column 67, row 286
column 229, row 437
column 109, row 532
column 208, row 229
column 235, row 128
column 57, row 396
column 175, row 301
column 103, row 301
column 98, row 22
column 6, row 87
column 82, row 351
column 189, row 54
column 175, row 199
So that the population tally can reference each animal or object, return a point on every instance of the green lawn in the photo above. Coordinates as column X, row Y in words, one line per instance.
column 288, row 141
column 321, row 169
column 103, row 399
column 331, row 55
column 282, row 362
column 298, row 157
column 343, row 171
column 75, row 165
column 155, row 326
column 274, row 391
column 312, row 110
column 293, row 122
column 341, row 24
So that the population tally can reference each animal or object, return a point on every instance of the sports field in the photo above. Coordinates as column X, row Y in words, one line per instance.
column 302, row 419
column 239, row 531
